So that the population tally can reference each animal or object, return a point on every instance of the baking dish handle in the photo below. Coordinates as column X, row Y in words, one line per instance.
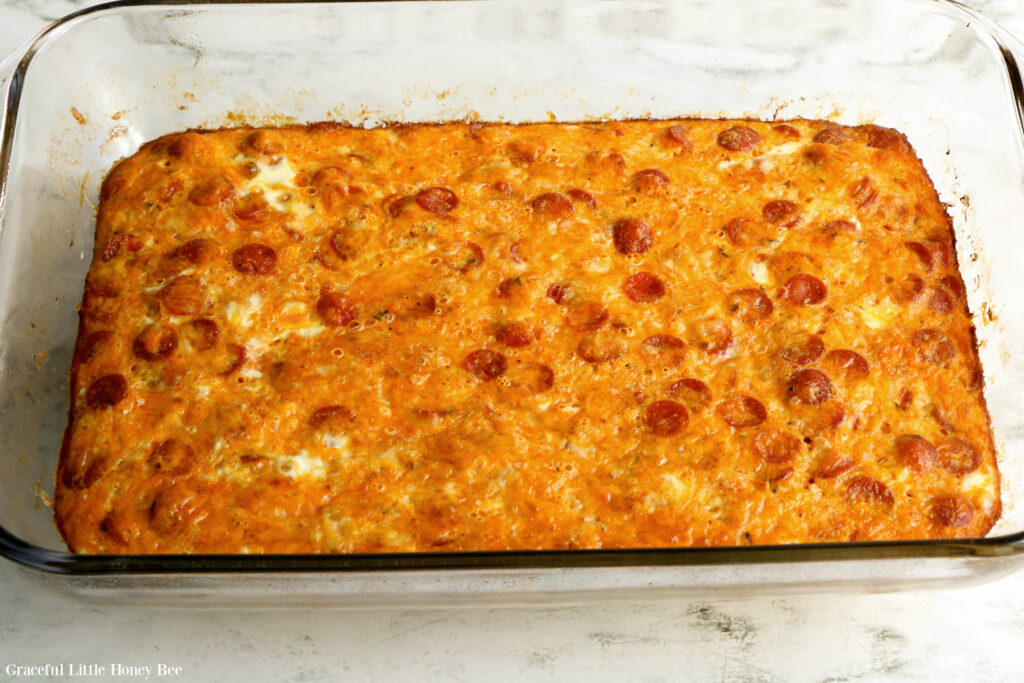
column 10, row 82
column 1012, row 51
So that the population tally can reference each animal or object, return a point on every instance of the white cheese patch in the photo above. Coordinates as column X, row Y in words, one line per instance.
column 336, row 441
column 676, row 488
column 599, row 265
column 300, row 465
column 759, row 271
column 881, row 315
column 275, row 182
column 293, row 307
column 310, row 330
column 249, row 372
column 241, row 315
column 784, row 149
column 763, row 161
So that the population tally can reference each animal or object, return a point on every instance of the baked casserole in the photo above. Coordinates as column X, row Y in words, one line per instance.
column 477, row 336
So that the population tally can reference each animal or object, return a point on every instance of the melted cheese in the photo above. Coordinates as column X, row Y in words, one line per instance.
column 406, row 351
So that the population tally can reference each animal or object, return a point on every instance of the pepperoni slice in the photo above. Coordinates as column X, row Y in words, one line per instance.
column 742, row 411
column 332, row 185
column 863, row 192
column 557, row 292
column 940, row 302
column 413, row 306
column 262, row 142
column 397, row 207
column 341, row 245
column 249, row 170
column 331, row 176
column 743, row 232
column 155, row 342
column 941, row 248
column 922, row 253
column 587, row 316
column 93, row 343
column 934, row 347
column 749, row 305
column 781, row 211
column 883, row 138
column 202, row 334
column 106, row 391
column 464, row 256
column 254, row 259
column 515, row 252
column 251, row 207
column 523, row 152
column 664, row 341
column 650, row 181
column 608, row 160
column 183, row 295
column 805, row 290
column 582, row 197
column 83, row 470
column 776, row 448
column 113, row 246
column 909, row 289
column 951, row 511
column 831, row 135
column 692, row 393
column 830, row 465
column 665, row 418
column 631, row 236
column 212, row 192
column 510, row 287
column 738, row 139
column 869, row 490
column 847, row 365
column 712, row 335
column 553, row 206
column 514, row 334
column 809, row 386
column 916, row 452
column 229, row 360
column 439, row 200
column 198, row 251
column 818, row 153
column 786, row 130
column 644, row 287
column 599, row 348
column 958, row 457
column 955, row 287
column 172, row 457
column 336, row 309
column 802, row 349
column 485, row 364
column 678, row 135
column 544, row 378
column 333, row 415
column 834, row 229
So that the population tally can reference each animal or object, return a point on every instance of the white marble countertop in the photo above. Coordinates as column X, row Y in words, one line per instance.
column 964, row 634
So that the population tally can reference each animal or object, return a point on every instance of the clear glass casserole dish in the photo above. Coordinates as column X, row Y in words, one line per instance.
column 95, row 85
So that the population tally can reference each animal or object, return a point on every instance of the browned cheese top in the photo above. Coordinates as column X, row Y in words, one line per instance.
column 477, row 336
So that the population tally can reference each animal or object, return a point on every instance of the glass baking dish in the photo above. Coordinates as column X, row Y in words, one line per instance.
column 95, row 85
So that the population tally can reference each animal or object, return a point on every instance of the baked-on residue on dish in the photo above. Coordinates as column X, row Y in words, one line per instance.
column 482, row 336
